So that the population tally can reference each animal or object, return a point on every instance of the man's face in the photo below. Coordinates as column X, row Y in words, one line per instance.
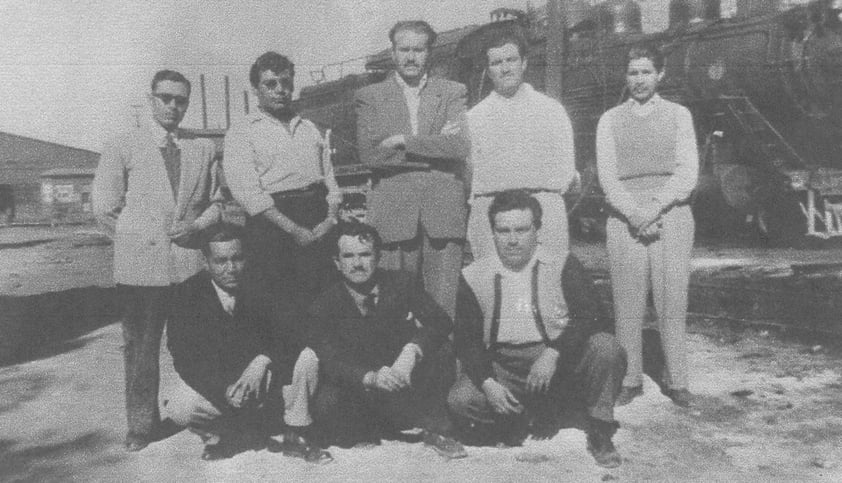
column 274, row 91
column 410, row 54
column 642, row 79
column 515, row 238
column 169, row 101
column 225, row 263
column 357, row 260
column 505, row 68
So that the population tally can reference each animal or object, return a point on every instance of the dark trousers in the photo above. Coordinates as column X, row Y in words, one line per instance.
column 145, row 311
column 590, row 384
column 345, row 415
column 276, row 264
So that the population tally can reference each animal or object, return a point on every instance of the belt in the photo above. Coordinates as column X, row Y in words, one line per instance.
column 530, row 191
column 309, row 190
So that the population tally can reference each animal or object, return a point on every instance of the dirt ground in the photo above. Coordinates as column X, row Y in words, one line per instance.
column 768, row 409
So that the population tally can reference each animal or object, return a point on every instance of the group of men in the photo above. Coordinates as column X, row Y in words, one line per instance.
column 333, row 332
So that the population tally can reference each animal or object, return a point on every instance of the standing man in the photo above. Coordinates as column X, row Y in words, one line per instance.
column 237, row 378
column 520, row 139
column 275, row 170
column 531, row 338
column 154, row 190
column 384, row 351
column 407, row 130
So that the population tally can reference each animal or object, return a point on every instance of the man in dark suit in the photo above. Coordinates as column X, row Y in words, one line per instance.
column 383, row 344
column 408, row 132
column 237, row 376
column 533, row 340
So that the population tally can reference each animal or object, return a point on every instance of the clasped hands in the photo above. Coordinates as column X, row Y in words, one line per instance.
column 398, row 376
column 502, row 400
column 645, row 222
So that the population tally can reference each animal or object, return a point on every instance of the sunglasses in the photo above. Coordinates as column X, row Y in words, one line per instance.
column 167, row 98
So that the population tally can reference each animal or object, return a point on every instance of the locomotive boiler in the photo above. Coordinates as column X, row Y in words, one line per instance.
column 763, row 79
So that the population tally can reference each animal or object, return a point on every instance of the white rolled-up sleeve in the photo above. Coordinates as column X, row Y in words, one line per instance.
column 683, row 180
column 241, row 172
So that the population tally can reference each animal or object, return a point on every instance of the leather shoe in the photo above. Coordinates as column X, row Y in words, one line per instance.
column 600, row 445
column 627, row 394
column 680, row 397
column 136, row 442
column 445, row 446
column 297, row 446
column 219, row 451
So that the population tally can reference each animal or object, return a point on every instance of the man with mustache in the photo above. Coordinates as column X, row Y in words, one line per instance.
column 155, row 189
column 408, row 133
column 238, row 381
column 382, row 341
column 520, row 139
column 533, row 340
column 275, row 169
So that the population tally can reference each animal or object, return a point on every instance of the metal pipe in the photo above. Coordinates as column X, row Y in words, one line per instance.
column 246, row 101
column 227, row 104
column 204, row 102
column 557, row 22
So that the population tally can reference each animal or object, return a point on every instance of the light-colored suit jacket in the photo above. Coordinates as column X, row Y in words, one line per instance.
column 133, row 199
column 423, row 183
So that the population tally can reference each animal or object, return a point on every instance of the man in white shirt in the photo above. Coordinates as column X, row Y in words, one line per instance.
column 520, row 139
column 533, row 340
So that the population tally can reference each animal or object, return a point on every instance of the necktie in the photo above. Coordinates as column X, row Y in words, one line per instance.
column 370, row 303
column 172, row 161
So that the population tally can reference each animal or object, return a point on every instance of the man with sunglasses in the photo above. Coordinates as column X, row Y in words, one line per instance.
column 155, row 189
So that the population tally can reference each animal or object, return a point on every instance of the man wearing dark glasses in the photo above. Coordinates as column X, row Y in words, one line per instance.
column 155, row 189
column 275, row 170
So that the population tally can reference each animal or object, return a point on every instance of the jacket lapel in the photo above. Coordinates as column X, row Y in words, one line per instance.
column 401, row 113
column 429, row 105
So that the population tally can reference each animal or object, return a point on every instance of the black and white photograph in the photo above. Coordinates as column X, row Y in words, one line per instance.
column 451, row 240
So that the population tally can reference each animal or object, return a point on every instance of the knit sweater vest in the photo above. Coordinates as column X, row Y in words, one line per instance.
column 645, row 147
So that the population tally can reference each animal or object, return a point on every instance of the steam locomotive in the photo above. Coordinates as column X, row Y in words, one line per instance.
column 763, row 79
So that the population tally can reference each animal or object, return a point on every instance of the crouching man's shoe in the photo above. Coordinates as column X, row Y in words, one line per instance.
column 219, row 451
column 445, row 446
column 295, row 445
column 680, row 397
column 600, row 445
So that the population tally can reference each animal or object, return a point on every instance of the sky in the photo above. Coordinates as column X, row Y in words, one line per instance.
column 72, row 70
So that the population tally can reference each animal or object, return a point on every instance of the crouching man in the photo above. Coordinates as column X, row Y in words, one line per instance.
column 530, row 337
column 386, row 363
column 237, row 377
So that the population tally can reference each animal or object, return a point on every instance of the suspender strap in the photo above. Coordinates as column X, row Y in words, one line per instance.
column 495, row 315
column 536, row 309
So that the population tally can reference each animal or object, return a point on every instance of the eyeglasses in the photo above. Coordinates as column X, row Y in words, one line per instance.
column 273, row 84
column 167, row 98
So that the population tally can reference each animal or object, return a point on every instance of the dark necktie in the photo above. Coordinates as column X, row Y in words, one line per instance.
column 370, row 303
column 172, row 161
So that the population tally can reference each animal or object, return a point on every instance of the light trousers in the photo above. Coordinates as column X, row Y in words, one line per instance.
column 664, row 267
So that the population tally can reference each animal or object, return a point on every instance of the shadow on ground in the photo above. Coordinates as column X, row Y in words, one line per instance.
column 54, row 461
column 43, row 325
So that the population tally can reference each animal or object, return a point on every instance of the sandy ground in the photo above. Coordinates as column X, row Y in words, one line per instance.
column 767, row 409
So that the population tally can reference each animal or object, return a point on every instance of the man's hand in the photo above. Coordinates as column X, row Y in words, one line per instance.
column 405, row 363
column 452, row 128
column 384, row 379
column 323, row 228
column 396, row 141
column 501, row 399
column 542, row 372
column 334, row 201
column 180, row 232
column 249, row 387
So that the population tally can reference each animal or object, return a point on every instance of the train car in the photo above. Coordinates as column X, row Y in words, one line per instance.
column 763, row 80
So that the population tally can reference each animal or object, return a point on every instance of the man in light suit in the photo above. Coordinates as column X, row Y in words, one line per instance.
column 155, row 189
column 407, row 130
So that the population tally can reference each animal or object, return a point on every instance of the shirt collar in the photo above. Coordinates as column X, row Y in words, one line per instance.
column 223, row 294
column 159, row 134
column 261, row 115
column 523, row 90
column 540, row 256
column 406, row 87
column 652, row 102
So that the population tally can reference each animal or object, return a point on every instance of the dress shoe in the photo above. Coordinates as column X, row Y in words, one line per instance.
column 680, row 397
column 297, row 446
column 219, row 451
column 600, row 445
column 135, row 442
column 445, row 446
column 627, row 394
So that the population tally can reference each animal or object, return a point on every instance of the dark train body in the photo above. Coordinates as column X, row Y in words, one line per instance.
column 764, row 86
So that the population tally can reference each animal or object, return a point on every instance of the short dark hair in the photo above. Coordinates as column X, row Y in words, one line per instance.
column 271, row 61
column 503, row 37
column 169, row 75
column 417, row 26
column 220, row 232
column 361, row 231
column 647, row 51
column 515, row 200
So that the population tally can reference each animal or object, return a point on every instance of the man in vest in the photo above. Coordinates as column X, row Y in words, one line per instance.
column 532, row 339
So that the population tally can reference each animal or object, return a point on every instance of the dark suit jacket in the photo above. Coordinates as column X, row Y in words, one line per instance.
column 211, row 349
column 585, row 312
column 422, row 184
column 349, row 344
